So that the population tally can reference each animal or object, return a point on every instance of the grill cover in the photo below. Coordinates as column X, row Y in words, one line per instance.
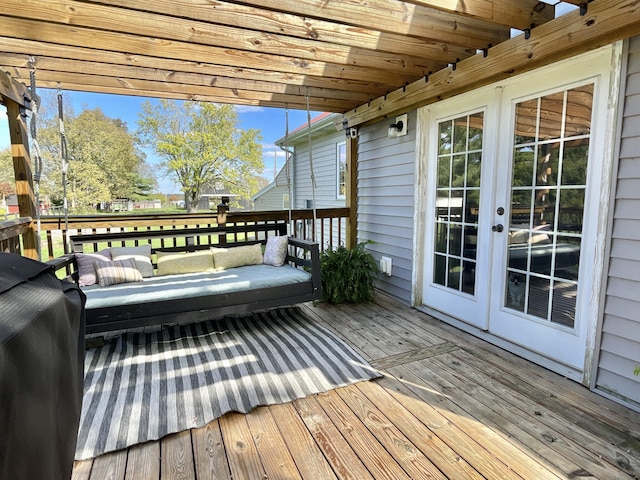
column 41, row 370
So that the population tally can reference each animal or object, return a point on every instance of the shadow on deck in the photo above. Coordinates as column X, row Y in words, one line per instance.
column 448, row 406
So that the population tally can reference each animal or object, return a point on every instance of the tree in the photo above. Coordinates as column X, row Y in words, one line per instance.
column 104, row 162
column 7, row 175
column 202, row 147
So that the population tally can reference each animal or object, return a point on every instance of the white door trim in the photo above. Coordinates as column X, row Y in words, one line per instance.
column 601, row 213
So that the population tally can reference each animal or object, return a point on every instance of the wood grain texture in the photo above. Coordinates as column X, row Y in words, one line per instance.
column 569, row 35
column 266, row 50
column 470, row 412
column 143, row 462
column 177, row 456
column 244, row 460
column 209, row 453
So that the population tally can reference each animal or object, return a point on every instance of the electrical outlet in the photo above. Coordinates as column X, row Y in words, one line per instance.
column 386, row 265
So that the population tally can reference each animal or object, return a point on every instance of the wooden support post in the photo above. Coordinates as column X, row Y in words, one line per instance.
column 352, row 192
column 23, row 173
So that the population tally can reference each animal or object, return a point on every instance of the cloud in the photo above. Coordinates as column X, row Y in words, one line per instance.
column 248, row 109
column 269, row 148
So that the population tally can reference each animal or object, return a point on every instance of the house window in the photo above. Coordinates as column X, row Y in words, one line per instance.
column 285, row 201
column 341, row 169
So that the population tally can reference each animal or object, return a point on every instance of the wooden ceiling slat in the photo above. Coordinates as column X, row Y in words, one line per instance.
column 397, row 17
column 229, row 95
column 117, row 59
column 53, row 65
column 162, row 27
column 518, row 14
column 243, row 16
column 349, row 56
column 289, row 103
column 162, row 48
column 571, row 34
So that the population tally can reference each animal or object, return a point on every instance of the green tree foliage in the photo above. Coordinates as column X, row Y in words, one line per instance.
column 202, row 147
column 104, row 162
column 7, row 176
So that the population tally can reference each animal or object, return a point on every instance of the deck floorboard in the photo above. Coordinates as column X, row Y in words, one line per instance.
column 449, row 406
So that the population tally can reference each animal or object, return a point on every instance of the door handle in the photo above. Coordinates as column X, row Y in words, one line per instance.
column 497, row 228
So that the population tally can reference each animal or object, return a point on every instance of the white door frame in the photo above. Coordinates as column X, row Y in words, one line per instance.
column 598, row 209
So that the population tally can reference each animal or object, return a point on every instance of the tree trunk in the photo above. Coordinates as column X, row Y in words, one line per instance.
column 191, row 199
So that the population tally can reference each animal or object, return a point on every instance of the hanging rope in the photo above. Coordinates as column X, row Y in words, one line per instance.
column 288, row 166
column 35, row 102
column 64, row 162
column 313, row 178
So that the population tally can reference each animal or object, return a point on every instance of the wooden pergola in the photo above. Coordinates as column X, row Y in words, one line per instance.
column 369, row 60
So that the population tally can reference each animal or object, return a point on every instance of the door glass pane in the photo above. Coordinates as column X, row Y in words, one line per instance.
column 458, row 202
column 550, row 160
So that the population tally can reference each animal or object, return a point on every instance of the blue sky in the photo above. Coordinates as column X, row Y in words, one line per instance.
column 270, row 122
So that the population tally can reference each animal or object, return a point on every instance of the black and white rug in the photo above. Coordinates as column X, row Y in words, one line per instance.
column 141, row 387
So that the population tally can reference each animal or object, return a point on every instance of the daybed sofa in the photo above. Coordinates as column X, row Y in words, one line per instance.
column 140, row 278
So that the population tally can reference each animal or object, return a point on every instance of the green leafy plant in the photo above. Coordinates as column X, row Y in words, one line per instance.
column 636, row 371
column 348, row 274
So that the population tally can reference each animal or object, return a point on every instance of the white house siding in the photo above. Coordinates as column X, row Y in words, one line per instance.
column 324, row 169
column 620, row 344
column 271, row 198
column 386, row 179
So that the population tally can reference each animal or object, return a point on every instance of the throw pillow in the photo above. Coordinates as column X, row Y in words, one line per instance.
column 275, row 252
column 141, row 254
column 170, row 263
column 86, row 270
column 231, row 257
column 117, row 271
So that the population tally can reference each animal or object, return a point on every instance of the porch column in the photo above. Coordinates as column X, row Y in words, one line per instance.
column 352, row 192
column 15, row 97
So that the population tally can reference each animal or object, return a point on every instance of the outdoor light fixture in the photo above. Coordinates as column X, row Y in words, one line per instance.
column 399, row 128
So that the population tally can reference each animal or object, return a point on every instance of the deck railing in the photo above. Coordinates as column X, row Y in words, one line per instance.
column 12, row 233
column 330, row 226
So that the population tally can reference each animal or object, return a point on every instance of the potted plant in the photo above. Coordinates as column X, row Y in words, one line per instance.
column 348, row 274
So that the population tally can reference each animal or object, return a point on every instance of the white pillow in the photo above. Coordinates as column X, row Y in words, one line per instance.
column 275, row 252
column 141, row 254
column 86, row 268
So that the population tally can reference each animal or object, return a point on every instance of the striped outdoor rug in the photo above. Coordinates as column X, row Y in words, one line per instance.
column 141, row 387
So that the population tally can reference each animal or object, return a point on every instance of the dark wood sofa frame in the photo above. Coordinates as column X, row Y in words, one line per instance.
column 302, row 254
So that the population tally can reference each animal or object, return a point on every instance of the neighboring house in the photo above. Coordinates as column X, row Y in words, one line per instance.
column 11, row 202
column 293, row 183
column 512, row 212
column 274, row 196
column 147, row 204
column 328, row 157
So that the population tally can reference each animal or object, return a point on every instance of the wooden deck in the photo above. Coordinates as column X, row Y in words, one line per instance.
column 449, row 406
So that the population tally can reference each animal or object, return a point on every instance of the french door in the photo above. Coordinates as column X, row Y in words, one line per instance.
column 513, row 183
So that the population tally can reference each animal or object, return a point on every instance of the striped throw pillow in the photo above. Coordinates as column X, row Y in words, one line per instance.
column 118, row 271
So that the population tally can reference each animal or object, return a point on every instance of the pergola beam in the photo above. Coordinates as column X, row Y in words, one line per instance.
column 100, row 40
column 319, row 30
column 605, row 22
column 519, row 14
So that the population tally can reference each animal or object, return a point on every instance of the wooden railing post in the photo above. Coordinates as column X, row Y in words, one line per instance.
column 223, row 208
column 23, row 174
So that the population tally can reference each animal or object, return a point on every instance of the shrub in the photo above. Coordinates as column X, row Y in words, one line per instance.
column 348, row 274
